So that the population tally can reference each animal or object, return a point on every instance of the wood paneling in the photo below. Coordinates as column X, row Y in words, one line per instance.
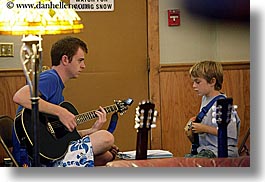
column 153, row 58
column 179, row 102
column 11, row 81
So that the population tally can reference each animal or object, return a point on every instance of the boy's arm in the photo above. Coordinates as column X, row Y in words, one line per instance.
column 202, row 128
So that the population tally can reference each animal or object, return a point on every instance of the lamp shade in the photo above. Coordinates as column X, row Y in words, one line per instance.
column 39, row 17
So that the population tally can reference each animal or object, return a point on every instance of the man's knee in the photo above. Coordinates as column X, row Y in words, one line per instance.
column 108, row 137
column 103, row 137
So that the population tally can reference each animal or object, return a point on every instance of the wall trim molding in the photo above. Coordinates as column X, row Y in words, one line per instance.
column 11, row 72
column 186, row 66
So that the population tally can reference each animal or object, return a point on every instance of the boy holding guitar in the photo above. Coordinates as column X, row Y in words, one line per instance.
column 68, row 61
column 207, row 77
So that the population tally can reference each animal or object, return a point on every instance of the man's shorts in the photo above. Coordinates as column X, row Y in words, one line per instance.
column 79, row 154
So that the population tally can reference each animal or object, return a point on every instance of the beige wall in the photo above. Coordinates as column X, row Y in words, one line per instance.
column 197, row 38
column 232, row 41
column 11, row 62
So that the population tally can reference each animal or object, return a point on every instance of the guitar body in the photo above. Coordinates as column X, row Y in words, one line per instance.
column 54, row 137
column 223, row 115
column 53, row 145
column 195, row 142
column 198, row 119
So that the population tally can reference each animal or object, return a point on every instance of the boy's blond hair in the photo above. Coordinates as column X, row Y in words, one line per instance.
column 208, row 70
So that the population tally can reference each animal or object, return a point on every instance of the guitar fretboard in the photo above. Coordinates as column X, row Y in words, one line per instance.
column 81, row 118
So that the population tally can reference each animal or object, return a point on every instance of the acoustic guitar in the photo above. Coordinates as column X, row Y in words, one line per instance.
column 222, row 114
column 145, row 119
column 54, row 136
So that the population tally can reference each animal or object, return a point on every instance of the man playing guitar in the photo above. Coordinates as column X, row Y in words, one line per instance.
column 68, row 61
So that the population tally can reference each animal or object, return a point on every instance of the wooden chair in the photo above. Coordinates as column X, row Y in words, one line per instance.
column 243, row 148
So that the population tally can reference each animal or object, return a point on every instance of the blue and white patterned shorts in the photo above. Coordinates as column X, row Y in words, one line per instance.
column 79, row 154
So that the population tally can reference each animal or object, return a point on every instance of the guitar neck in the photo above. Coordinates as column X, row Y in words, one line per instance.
column 84, row 117
column 195, row 143
column 142, row 143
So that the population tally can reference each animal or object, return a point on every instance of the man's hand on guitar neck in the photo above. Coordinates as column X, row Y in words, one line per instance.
column 102, row 118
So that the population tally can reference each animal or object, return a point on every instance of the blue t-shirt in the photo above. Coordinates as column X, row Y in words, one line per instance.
column 51, row 90
column 50, row 87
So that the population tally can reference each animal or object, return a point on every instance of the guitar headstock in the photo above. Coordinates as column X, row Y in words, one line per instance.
column 145, row 116
column 223, row 111
column 123, row 105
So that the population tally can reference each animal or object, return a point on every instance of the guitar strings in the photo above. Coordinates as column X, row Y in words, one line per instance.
column 85, row 116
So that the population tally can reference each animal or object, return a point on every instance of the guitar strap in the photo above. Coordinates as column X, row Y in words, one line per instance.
column 199, row 118
column 206, row 108
column 113, row 122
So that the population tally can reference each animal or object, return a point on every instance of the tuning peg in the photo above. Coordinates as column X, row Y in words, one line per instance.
column 219, row 113
column 214, row 120
column 219, row 107
column 137, row 125
column 235, row 107
column 219, row 120
column 147, row 125
column 213, row 108
column 153, row 125
column 214, row 114
column 137, row 118
column 143, row 102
